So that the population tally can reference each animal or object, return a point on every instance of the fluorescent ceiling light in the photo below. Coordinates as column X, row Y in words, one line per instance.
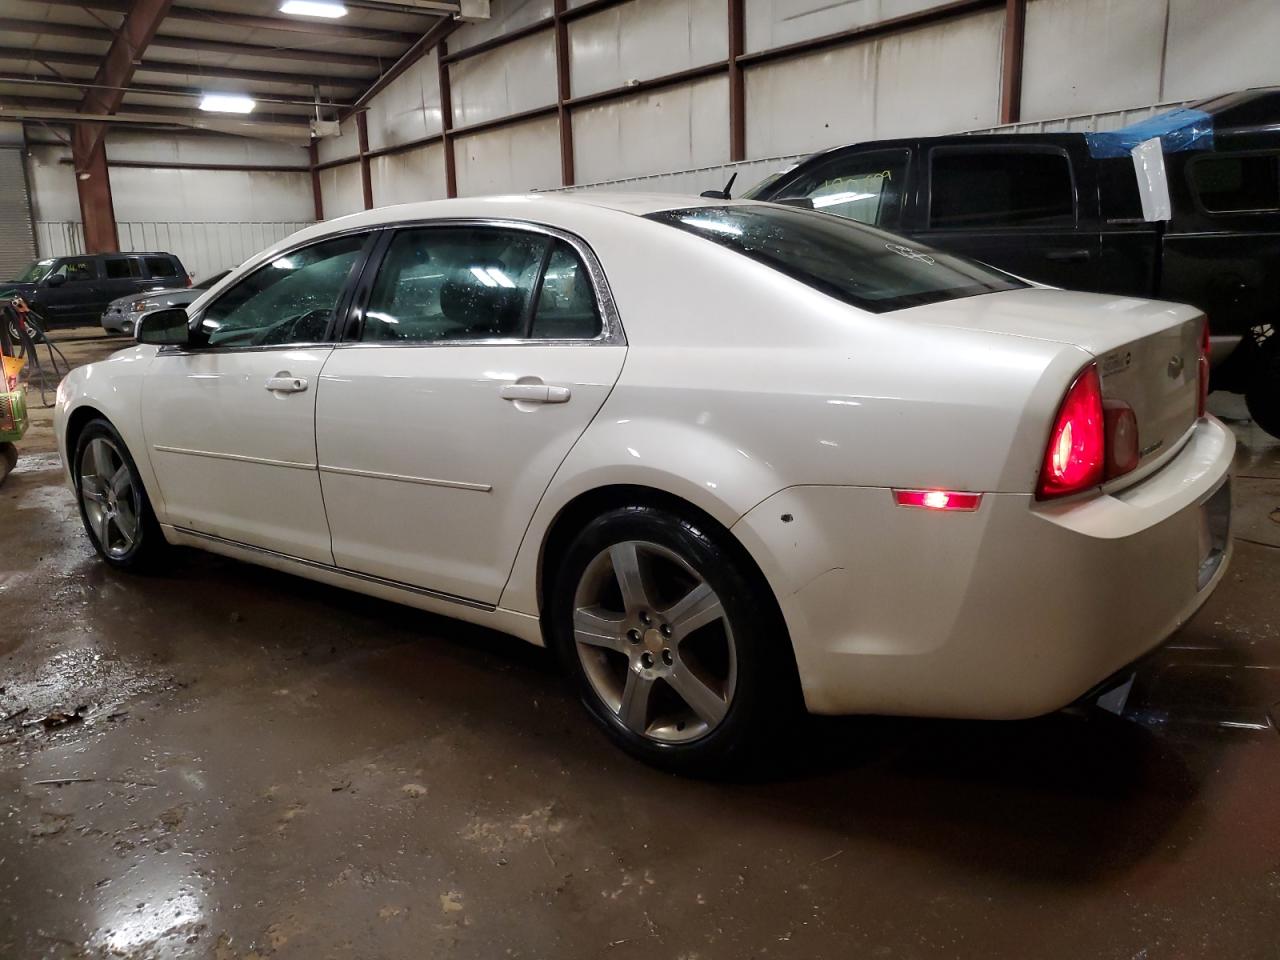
column 226, row 103
column 314, row 8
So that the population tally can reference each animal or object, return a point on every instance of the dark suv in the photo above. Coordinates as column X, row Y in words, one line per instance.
column 72, row 290
column 1077, row 210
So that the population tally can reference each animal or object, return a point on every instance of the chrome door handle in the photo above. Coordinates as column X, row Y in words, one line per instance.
column 283, row 383
column 535, row 393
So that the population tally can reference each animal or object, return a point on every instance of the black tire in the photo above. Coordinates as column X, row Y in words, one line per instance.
column 760, row 691
column 130, row 546
column 1262, row 394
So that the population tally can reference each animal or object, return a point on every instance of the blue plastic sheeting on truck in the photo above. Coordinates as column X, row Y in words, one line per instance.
column 1183, row 129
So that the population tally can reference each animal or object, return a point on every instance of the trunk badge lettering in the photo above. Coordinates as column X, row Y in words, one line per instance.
column 1115, row 363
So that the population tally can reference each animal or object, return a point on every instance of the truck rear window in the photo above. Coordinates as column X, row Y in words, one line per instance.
column 862, row 266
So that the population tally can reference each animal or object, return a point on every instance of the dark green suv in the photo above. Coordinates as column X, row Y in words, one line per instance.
column 64, row 291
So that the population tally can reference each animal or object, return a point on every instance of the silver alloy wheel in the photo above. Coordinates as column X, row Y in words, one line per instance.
column 654, row 642
column 110, row 496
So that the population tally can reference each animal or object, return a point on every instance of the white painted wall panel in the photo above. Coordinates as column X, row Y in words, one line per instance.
column 341, row 191
column 340, row 147
column 416, row 174
column 773, row 23
column 512, row 79
column 939, row 79
column 53, row 183
column 145, row 147
column 930, row 80
column 1219, row 47
column 812, row 102
column 669, row 129
column 645, row 39
column 507, row 15
column 1089, row 56
column 514, row 159
column 408, row 109
column 160, row 194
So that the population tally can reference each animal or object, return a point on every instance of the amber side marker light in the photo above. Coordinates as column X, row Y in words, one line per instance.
column 938, row 500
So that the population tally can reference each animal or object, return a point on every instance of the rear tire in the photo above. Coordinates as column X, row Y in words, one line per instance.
column 673, row 642
column 1262, row 394
column 114, row 506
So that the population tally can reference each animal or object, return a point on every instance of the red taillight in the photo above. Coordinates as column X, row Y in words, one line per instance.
column 1202, row 371
column 1076, row 457
column 938, row 499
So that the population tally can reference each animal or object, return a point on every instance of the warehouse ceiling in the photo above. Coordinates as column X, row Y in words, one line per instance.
column 52, row 53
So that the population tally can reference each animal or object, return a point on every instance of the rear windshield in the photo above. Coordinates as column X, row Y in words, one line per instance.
column 867, row 268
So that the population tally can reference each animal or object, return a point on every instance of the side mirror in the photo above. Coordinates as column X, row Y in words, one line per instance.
column 55, row 280
column 164, row 328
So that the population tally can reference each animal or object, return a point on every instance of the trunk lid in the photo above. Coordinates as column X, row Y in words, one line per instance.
column 1147, row 350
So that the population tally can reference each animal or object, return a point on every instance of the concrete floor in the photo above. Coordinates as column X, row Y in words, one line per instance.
column 269, row 768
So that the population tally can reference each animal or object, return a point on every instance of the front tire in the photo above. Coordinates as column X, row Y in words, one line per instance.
column 114, row 507
column 673, row 641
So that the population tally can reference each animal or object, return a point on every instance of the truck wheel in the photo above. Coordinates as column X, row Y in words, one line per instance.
column 1262, row 395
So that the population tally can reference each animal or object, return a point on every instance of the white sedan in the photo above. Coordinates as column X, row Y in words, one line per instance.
column 725, row 458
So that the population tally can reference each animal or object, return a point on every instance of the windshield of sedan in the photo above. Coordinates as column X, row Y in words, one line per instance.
column 35, row 273
column 862, row 266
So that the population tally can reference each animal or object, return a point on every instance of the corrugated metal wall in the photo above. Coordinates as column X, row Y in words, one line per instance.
column 1098, row 61
column 17, row 241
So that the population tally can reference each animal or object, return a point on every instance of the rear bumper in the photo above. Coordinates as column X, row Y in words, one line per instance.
column 1014, row 610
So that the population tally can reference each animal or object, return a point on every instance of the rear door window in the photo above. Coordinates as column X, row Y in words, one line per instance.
column 1248, row 183
column 1000, row 188
column 121, row 268
column 865, row 186
column 440, row 284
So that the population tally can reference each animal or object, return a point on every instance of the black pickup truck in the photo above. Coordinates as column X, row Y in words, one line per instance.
column 1081, row 211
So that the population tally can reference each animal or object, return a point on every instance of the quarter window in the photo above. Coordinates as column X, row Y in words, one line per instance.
column 162, row 268
column 455, row 283
column 566, row 303
column 1239, row 184
column 866, row 187
column 289, row 300
column 1000, row 188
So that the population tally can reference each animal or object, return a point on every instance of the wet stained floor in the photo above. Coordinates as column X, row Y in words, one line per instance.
column 265, row 767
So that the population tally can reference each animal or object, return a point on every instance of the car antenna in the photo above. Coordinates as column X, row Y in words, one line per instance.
column 720, row 194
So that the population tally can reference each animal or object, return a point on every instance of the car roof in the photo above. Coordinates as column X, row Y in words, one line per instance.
column 526, row 206
column 575, row 212
column 115, row 253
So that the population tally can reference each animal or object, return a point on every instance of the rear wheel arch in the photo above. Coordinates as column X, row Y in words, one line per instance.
column 574, row 516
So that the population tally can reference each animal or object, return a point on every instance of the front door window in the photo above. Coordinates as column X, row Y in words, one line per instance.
column 289, row 300
column 76, row 271
column 866, row 187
